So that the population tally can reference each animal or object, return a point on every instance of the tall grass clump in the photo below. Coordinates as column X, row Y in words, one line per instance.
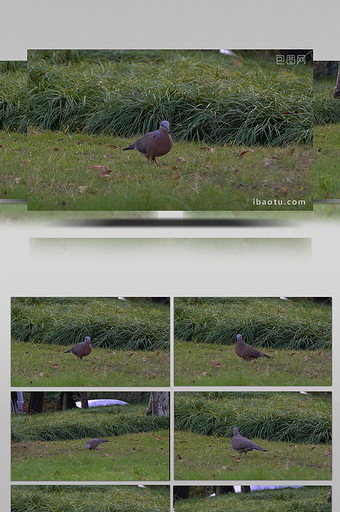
column 13, row 96
column 263, row 322
column 291, row 417
column 86, row 423
column 109, row 322
column 326, row 108
column 306, row 499
column 204, row 96
column 94, row 498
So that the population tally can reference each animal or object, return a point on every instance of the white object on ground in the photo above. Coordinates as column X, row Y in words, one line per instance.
column 102, row 402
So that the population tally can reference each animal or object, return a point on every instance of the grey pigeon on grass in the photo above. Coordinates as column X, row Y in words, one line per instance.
column 152, row 144
column 242, row 444
column 246, row 351
column 93, row 443
column 81, row 349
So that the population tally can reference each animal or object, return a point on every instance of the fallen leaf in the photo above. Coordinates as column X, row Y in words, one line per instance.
column 176, row 176
column 105, row 173
column 180, row 160
column 111, row 146
column 246, row 151
column 210, row 149
column 17, row 180
column 204, row 373
column 179, row 457
column 82, row 189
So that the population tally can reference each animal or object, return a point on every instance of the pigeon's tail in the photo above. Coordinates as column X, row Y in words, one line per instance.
column 68, row 351
column 132, row 146
column 265, row 355
column 106, row 441
column 255, row 447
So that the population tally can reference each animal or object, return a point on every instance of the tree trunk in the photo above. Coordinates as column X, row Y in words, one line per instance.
column 181, row 491
column 84, row 400
column 36, row 402
column 337, row 85
column 245, row 488
column 158, row 403
column 66, row 400
column 223, row 489
column 14, row 398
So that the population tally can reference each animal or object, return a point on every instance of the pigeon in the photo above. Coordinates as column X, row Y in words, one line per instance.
column 242, row 444
column 152, row 144
column 246, row 351
column 81, row 349
column 93, row 443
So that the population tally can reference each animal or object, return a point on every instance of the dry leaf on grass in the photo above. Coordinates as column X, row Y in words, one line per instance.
column 209, row 149
column 105, row 173
column 246, row 151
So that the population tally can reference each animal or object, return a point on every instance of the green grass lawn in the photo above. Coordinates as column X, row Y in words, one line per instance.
column 136, row 456
column 306, row 499
column 52, row 445
column 47, row 365
column 199, row 457
column 63, row 173
column 326, row 139
column 14, row 165
column 206, row 364
column 327, row 161
column 116, row 498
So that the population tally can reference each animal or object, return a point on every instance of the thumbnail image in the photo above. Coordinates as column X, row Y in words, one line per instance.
column 93, row 435
column 86, row 341
column 253, row 341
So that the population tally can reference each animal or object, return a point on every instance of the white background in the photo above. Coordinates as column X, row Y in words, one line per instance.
column 167, row 261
